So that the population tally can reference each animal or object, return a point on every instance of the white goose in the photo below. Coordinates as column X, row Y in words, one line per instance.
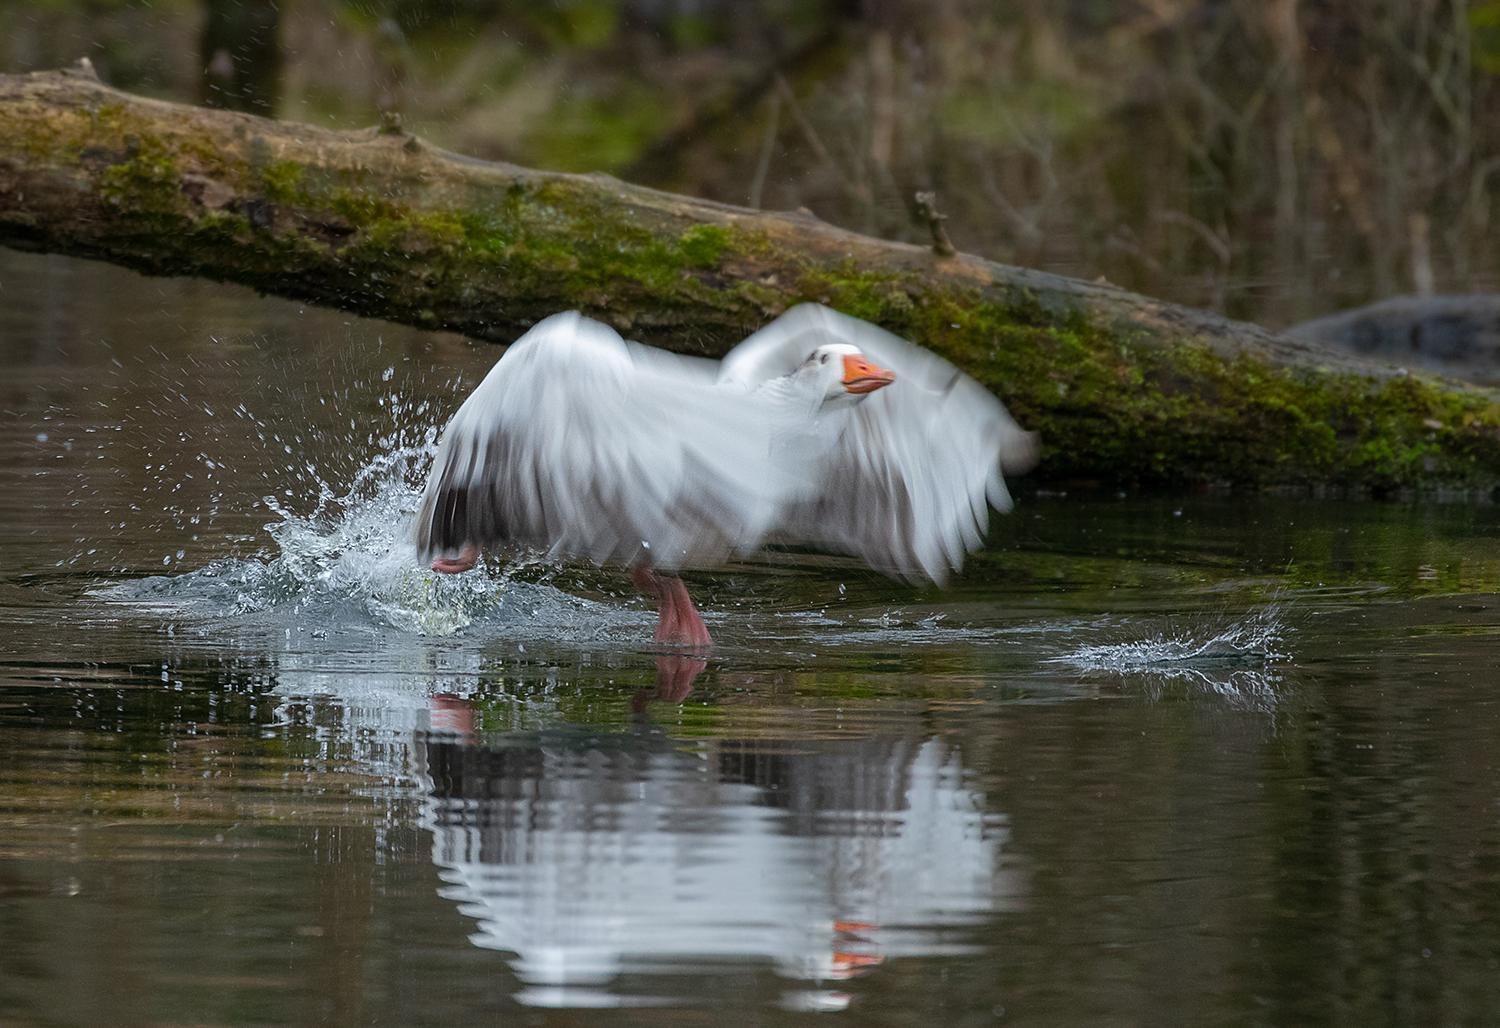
column 820, row 429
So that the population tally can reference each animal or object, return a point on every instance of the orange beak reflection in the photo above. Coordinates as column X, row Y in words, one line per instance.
column 861, row 376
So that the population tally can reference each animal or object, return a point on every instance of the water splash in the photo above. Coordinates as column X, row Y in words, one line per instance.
column 1249, row 640
column 351, row 558
column 1234, row 660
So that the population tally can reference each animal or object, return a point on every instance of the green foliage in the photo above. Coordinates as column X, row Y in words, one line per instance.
column 692, row 31
column 581, row 24
column 593, row 133
column 1484, row 36
column 585, row 24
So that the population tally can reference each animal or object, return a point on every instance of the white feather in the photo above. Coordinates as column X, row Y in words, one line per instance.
column 905, row 477
column 583, row 445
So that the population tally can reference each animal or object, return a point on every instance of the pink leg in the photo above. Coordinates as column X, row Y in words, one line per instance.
column 463, row 562
column 449, row 713
column 678, row 624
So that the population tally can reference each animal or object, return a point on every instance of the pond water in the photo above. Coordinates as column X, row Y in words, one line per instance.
column 1211, row 759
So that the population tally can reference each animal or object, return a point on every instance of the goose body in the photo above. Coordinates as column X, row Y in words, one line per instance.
column 819, row 429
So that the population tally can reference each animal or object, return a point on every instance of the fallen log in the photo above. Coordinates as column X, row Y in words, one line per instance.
column 1123, row 388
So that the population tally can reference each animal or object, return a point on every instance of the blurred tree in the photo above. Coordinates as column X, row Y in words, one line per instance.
column 241, row 55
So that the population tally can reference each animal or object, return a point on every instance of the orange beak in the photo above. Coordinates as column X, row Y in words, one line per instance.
column 860, row 376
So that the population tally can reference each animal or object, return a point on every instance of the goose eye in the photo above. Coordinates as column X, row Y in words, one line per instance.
column 825, row 358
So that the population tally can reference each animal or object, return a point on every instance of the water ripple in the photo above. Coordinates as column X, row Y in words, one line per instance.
column 1234, row 659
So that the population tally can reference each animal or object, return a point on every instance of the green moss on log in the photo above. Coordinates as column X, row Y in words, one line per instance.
column 390, row 229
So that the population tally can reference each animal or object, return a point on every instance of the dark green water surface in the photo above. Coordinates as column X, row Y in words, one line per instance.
column 1151, row 761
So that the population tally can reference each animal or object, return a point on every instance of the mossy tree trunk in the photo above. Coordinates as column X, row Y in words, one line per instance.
column 1122, row 387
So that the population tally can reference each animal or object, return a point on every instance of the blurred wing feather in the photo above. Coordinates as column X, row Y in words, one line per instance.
column 906, row 477
column 581, row 445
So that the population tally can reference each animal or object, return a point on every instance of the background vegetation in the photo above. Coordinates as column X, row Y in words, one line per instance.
column 1271, row 159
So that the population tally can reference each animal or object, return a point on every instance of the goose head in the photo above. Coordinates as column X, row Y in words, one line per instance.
column 842, row 373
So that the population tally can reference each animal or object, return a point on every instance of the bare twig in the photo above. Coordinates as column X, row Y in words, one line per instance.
column 1026, row 223
column 1214, row 240
column 815, row 141
column 767, row 146
column 927, row 208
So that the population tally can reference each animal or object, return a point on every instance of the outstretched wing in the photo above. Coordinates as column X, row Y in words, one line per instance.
column 906, row 477
column 578, row 444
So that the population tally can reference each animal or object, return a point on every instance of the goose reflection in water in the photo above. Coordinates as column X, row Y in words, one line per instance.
column 592, row 855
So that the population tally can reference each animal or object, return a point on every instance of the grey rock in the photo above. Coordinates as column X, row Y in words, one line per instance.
column 1457, row 336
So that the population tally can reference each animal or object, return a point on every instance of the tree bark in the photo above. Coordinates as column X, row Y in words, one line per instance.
column 379, row 222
